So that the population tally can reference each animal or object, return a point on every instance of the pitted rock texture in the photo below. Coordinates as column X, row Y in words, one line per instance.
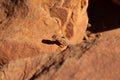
column 27, row 26
column 45, row 66
column 95, row 60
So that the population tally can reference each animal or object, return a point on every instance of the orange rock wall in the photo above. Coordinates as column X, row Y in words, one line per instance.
column 25, row 24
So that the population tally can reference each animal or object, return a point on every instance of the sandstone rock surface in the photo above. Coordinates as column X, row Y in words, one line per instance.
column 27, row 26
column 95, row 60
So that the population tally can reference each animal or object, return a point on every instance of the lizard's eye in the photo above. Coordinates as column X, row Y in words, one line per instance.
column 63, row 37
column 54, row 36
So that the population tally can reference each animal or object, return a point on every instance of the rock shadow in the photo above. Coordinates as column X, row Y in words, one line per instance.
column 45, row 41
column 104, row 15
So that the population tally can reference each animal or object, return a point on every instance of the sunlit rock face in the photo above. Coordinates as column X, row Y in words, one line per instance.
column 27, row 26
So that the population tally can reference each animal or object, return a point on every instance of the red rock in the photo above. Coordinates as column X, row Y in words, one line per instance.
column 101, row 62
column 27, row 27
column 80, row 62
